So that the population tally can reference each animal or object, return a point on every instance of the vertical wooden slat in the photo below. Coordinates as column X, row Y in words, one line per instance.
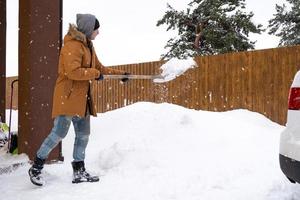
column 255, row 85
column 197, row 84
column 222, row 80
column 106, row 94
column 147, row 83
column 113, row 93
column 280, row 84
column 243, row 79
column 227, row 85
column 203, row 96
column 248, row 80
column 232, row 83
column 102, row 100
column 209, row 89
column 193, row 89
column 119, row 93
column 251, row 80
column 275, row 94
column 214, row 81
column 139, row 84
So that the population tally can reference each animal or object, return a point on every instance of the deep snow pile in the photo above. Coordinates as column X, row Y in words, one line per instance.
column 162, row 151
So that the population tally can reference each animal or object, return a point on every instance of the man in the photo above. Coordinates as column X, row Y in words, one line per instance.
column 72, row 99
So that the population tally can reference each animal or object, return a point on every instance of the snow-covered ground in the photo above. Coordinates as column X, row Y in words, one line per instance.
column 149, row 151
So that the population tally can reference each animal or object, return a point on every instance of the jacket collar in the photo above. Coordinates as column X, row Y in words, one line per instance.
column 74, row 34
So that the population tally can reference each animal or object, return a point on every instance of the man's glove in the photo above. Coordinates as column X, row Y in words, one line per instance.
column 100, row 78
column 125, row 79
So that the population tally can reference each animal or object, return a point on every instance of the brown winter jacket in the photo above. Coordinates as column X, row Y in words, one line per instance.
column 77, row 70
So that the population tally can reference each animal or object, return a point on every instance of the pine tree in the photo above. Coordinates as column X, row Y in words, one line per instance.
column 209, row 27
column 286, row 23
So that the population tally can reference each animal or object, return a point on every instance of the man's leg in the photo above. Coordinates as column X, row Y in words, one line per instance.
column 82, row 132
column 58, row 132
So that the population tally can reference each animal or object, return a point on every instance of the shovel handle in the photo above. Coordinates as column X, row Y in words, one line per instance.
column 132, row 76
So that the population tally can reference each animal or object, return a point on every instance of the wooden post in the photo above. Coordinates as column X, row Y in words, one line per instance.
column 2, row 58
column 40, row 34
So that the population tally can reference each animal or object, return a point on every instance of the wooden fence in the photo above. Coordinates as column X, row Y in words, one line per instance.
column 255, row 80
column 9, row 80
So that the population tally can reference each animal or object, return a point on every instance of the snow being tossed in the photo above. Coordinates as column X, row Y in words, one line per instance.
column 174, row 68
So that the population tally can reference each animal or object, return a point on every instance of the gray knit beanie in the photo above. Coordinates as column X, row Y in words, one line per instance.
column 86, row 24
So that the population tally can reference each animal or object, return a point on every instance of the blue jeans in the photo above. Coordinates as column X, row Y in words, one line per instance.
column 60, row 130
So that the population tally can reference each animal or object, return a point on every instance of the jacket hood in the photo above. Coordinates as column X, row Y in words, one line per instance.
column 75, row 34
column 86, row 24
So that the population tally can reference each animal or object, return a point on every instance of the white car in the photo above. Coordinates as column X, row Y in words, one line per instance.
column 289, row 152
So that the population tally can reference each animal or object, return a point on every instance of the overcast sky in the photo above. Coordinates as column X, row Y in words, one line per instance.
column 128, row 32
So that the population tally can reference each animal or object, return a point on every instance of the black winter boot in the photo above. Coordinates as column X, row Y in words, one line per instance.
column 35, row 172
column 80, row 175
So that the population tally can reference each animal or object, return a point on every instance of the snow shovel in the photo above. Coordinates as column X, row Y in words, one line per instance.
column 140, row 77
column 169, row 71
